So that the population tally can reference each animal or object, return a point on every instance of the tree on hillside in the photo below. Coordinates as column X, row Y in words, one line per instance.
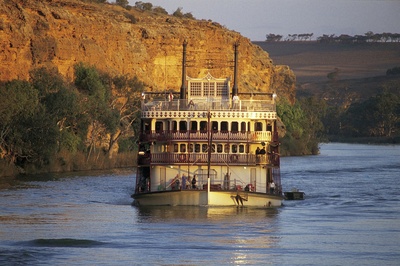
column 393, row 71
column 123, row 3
column 160, row 10
column 333, row 76
column 273, row 37
column 178, row 13
column 144, row 6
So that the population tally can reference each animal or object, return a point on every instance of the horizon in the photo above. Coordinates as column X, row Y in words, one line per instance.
column 257, row 18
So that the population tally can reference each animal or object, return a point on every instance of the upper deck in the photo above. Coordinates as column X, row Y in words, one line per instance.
column 210, row 95
column 245, row 109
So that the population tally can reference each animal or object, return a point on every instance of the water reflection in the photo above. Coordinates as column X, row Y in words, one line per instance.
column 199, row 213
column 239, row 234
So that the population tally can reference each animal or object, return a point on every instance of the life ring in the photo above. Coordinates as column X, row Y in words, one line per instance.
column 182, row 157
column 234, row 158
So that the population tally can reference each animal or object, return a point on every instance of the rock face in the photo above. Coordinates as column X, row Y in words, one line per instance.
column 60, row 33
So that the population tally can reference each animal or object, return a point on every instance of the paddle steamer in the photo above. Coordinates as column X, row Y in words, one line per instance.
column 208, row 145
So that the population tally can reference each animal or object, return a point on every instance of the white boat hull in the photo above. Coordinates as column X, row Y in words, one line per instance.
column 204, row 198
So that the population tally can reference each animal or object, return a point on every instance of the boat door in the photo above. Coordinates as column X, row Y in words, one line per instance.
column 253, row 176
column 163, row 178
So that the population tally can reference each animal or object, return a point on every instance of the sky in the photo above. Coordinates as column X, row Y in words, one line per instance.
column 255, row 19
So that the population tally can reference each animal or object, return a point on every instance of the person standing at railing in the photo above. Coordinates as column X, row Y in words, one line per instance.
column 272, row 187
column 194, row 181
column 235, row 100
column 170, row 99
column 258, row 151
column 191, row 105
column 184, row 181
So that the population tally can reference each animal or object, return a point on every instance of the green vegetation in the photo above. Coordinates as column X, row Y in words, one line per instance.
column 310, row 121
column 304, row 127
column 378, row 117
column 393, row 71
column 48, row 121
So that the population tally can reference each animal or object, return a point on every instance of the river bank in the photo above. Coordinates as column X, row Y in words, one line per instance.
column 365, row 140
column 71, row 163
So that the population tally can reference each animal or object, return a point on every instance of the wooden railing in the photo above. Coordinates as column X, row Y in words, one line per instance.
column 210, row 105
column 202, row 159
column 167, row 135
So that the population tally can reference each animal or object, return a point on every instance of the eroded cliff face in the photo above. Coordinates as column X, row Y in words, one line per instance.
column 60, row 33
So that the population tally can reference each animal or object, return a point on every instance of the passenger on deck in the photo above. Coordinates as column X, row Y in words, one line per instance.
column 191, row 105
column 176, row 183
column 184, row 181
column 258, row 155
column 194, row 181
column 170, row 99
column 272, row 187
column 235, row 100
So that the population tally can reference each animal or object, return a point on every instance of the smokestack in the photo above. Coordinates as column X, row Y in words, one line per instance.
column 183, row 87
column 235, row 71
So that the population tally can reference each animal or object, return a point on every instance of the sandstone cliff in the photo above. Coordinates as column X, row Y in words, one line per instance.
column 61, row 33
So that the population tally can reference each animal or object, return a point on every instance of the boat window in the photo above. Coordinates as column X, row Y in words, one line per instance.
column 212, row 148
column 195, row 88
column 190, row 147
column 269, row 127
column 241, row 148
column 222, row 89
column 235, row 127
column 257, row 126
column 165, row 148
column 159, row 126
column 175, row 147
column 197, row 148
column 224, row 126
column 214, row 126
column 226, row 148
column 209, row 89
column 219, row 148
column 182, row 126
column 204, row 148
column 183, row 147
column 203, row 126
column 234, row 148
column 174, row 126
column 243, row 127
column 193, row 126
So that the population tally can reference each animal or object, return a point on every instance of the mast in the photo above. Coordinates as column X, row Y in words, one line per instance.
column 209, row 155
column 183, row 86
column 235, row 73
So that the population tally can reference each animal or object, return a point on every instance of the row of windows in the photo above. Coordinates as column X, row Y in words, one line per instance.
column 215, row 125
column 203, row 148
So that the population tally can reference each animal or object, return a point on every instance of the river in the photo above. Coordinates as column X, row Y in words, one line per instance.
column 351, row 216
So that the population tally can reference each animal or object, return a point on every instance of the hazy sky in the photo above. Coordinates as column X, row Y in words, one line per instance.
column 257, row 18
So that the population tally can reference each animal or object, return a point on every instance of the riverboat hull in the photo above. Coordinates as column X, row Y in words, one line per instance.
column 204, row 198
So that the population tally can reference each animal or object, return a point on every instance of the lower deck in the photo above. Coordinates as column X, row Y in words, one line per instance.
column 207, row 198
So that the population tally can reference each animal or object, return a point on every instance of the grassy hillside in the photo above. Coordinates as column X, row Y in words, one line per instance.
column 361, row 68
column 312, row 61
